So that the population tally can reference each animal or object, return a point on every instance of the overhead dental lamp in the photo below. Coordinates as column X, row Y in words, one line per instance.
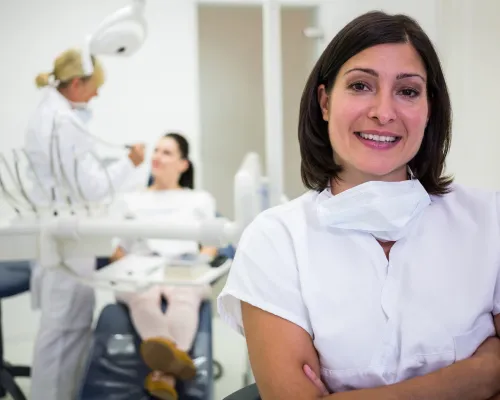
column 120, row 34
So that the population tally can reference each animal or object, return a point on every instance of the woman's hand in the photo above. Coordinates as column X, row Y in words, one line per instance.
column 315, row 380
column 488, row 352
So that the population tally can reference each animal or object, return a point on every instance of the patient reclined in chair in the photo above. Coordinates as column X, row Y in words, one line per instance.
column 170, row 198
column 167, row 336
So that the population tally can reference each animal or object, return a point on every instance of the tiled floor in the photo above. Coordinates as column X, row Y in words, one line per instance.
column 20, row 324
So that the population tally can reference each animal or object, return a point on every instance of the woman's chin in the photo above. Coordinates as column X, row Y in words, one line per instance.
column 155, row 175
column 156, row 171
column 389, row 172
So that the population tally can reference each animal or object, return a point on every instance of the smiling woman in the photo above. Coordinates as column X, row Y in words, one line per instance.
column 409, row 90
column 395, row 80
column 383, row 279
column 395, row 103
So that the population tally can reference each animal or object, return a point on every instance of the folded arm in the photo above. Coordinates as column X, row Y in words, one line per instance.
column 497, row 326
column 209, row 251
column 279, row 352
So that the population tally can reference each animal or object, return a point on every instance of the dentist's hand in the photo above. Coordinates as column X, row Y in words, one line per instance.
column 136, row 154
column 315, row 380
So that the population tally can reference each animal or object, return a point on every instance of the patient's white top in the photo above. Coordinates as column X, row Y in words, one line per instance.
column 164, row 207
column 373, row 321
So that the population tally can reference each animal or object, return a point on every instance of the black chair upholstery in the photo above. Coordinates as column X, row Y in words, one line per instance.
column 121, row 376
column 247, row 393
column 14, row 280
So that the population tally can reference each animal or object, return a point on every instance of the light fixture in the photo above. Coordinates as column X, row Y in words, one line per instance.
column 120, row 34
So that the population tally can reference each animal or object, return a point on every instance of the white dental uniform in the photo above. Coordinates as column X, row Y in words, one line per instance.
column 373, row 321
column 67, row 305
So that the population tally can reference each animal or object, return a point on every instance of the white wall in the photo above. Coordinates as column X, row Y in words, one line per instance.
column 231, row 94
column 466, row 35
column 471, row 38
column 157, row 90
column 299, row 57
column 154, row 91
column 336, row 13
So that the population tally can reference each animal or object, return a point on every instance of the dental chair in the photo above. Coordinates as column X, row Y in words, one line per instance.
column 247, row 393
column 14, row 280
column 115, row 369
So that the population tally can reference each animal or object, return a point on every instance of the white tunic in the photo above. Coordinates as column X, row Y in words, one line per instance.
column 55, row 115
column 373, row 321
column 67, row 304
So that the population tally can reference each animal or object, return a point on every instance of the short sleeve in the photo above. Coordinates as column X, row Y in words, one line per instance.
column 496, row 305
column 264, row 274
column 496, row 297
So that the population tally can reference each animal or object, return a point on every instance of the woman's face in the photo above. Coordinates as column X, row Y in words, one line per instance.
column 82, row 90
column 167, row 163
column 89, row 89
column 377, row 112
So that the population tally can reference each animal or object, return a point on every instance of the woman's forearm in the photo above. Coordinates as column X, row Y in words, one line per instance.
column 209, row 251
column 466, row 380
column 118, row 254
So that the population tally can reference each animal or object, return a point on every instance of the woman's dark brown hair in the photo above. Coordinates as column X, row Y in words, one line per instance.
column 374, row 28
column 186, row 180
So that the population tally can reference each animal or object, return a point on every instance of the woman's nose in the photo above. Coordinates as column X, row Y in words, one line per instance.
column 383, row 109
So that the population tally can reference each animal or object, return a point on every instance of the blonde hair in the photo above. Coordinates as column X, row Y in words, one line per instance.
column 69, row 66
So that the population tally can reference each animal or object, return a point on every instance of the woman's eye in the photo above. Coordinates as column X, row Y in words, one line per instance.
column 359, row 86
column 411, row 93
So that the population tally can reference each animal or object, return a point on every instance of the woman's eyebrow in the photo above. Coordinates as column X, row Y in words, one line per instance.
column 375, row 73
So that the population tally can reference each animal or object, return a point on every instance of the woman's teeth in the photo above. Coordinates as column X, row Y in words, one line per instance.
column 377, row 138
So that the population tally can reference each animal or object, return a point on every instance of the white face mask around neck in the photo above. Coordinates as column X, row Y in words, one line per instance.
column 82, row 110
column 387, row 210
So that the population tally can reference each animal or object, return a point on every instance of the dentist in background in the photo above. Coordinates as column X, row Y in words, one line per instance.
column 67, row 305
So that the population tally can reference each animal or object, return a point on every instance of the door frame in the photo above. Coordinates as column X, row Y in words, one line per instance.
column 273, row 84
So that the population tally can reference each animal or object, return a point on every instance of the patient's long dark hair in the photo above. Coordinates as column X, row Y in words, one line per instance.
column 186, row 180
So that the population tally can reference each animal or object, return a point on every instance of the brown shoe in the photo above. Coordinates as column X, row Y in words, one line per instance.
column 161, row 354
column 160, row 388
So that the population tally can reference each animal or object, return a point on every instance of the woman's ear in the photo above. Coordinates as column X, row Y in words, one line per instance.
column 323, row 101
column 75, row 83
column 184, row 165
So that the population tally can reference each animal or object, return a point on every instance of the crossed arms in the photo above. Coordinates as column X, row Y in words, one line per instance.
column 279, row 353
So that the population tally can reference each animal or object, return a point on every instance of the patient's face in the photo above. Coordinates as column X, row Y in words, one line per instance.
column 167, row 163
